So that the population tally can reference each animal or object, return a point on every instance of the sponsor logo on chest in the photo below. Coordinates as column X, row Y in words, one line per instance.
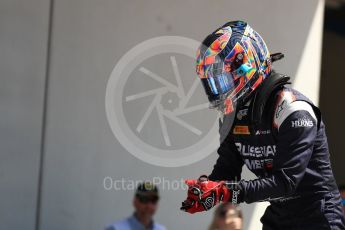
column 242, row 113
column 263, row 132
column 241, row 130
column 261, row 157
column 256, row 151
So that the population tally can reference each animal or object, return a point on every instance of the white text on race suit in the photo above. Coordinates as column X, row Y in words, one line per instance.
column 267, row 151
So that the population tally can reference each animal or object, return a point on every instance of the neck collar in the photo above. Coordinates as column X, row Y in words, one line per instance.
column 265, row 91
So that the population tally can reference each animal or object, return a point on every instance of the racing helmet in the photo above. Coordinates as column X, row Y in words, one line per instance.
column 231, row 63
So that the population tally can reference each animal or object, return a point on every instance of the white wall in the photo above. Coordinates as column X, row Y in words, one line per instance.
column 23, row 43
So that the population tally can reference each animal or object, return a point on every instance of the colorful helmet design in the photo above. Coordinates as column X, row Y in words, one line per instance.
column 231, row 63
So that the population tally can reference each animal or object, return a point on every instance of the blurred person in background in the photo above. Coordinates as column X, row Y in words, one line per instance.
column 145, row 203
column 227, row 217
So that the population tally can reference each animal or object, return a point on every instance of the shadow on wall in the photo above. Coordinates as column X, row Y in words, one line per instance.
column 332, row 82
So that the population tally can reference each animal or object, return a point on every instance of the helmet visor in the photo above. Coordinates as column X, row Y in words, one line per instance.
column 218, row 82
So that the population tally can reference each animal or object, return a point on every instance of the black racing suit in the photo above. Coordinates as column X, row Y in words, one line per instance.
column 288, row 152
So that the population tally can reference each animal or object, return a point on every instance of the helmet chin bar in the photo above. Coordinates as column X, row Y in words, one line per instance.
column 224, row 105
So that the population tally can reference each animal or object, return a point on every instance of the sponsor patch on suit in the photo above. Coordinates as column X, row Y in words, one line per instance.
column 241, row 129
